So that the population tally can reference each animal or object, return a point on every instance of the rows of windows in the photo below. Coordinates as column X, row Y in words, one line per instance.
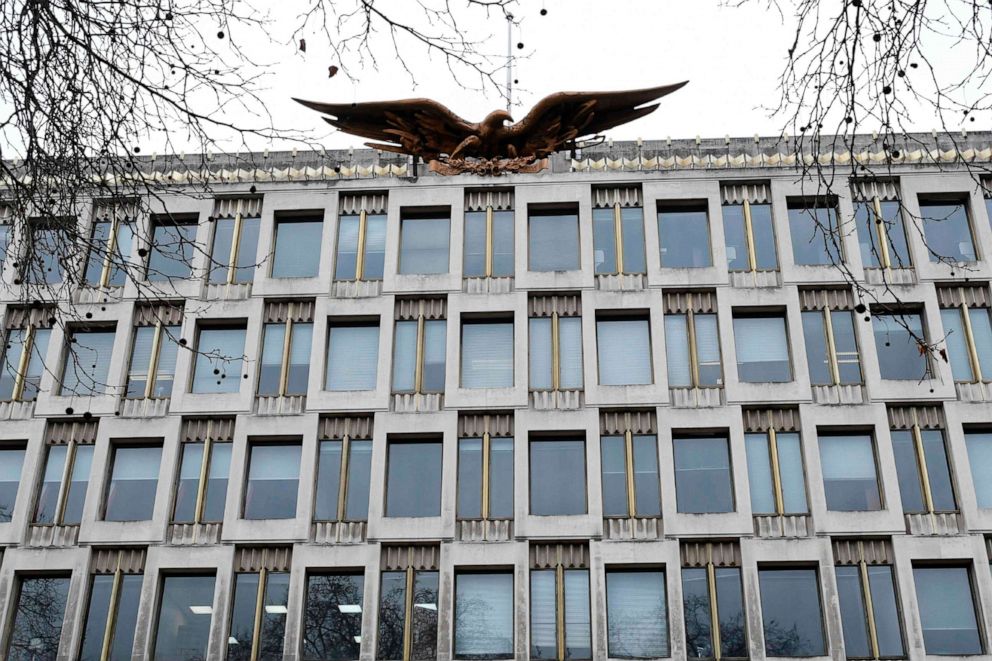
column 485, row 602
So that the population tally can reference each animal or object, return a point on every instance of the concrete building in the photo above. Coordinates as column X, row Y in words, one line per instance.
column 628, row 407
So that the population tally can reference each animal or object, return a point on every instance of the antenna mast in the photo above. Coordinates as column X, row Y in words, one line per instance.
column 509, row 61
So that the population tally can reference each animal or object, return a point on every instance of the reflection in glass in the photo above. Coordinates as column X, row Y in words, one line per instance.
column 297, row 247
column 413, row 480
column 945, row 598
column 184, row 616
column 557, row 477
column 424, row 244
column 636, row 614
column 171, row 255
column 849, row 478
column 684, row 234
column 703, row 482
column 553, row 241
column 947, row 231
column 124, row 612
column 11, row 461
column 484, row 616
column 37, row 626
column 133, row 481
column 791, row 612
column 815, row 234
column 332, row 617
column 273, row 481
column 896, row 344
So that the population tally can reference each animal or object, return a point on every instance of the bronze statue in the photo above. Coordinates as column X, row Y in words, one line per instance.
column 425, row 128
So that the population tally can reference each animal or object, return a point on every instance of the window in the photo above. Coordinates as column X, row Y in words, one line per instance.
column 153, row 361
column 560, row 632
column 831, row 347
column 775, row 472
column 618, row 239
column 170, row 255
column 488, row 242
column 483, row 615
column 361, row 253
column 630, row 475
column 424, row 239
column 791, row 612
column 703, row 480
column 219, row 359
column 87, row 362
column 48, row 249
column 762, row 348
column 185, row 611
column 692, row 343
column 980, row 457
column 623, row 346
column 130, row 494
column 63, row 484
column 273, row 480
column 816, row 233
column 201, row 491
column 968, row 337
column 23, row 363
column 352, row 356
column 249, row 638
column 748, row 229
column 37, row 626
column 112, row 616
column 418, row 354
column 332, row 617
column 553, row 239
column 713, row 602
column 897, row 343
column 297, row 246
column 487, row 354
column 555, row 344
column 869, row 604
column 684, row 235
column 111, row 240
column 636, row 614
column 344, row 469
column 947, row 231
column 413, row 478
column 236, row 228
column 485, row 477
column 881, row 233
column 946, row 599
column 557, row 476
column 416, row 632
column 11, row 463
column 924, row 475
column 285, row 364
column 850, row 479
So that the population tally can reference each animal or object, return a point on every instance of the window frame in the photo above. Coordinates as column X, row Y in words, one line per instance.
column 151, row 372
column 232, row 271
column 555, row 349
column 113, row 607
column 360, row 322
column 65, row 481
column 630, row 473
column 203, row 480
column 713, row 590
column 111, row 462
column 619, row 246
column 411, row 574
column 541, row 211
column 486, row 478
column 28, row 347
column 416, row 440
column 28, row 272
column 253, row 443
column 489, row 261
column 775, row 470
column 683, row 206
column 923, row 470
column 67, row 362
column 873, row 442
column 560, row 572
column 312, row 573
column 14, row 605
column 218, row 325
column 815, row 568
column 882, row 232
column 976, row 604
column 799, row 208
column 927, row 200
column 783, row 316
column 499, row 320
column 579, row 437
column 971, row 347
column 314, row 217
column 920, row 313
column 261, row 592
column 637, row 569
column 607, row 317
column 485, row 571
column 833, row 361
column 185, row 245
column 867, row 598
column 361, row 249
column 749, row 240
column 160, row 598
column 419, row 214
column 692, row 436
column 689, row 314
column 344, row 479
column 111, row 250
column 420, row 355
column 285, row 361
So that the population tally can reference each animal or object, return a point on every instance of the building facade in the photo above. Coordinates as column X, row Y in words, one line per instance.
column 630, row 407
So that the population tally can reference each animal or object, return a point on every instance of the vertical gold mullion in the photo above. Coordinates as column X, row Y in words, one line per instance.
column 360, row 256
column 22, row 365
column 628, row 439
column 618, row 236
column 776, row 468
column 70, row 459
column 418, row 375
column 108, row 256
column 714, row 610
column 560, row 608
column 201, row 489
column 555, row 359
column 153, row 360
column 287, row 343
column 883, row 234
column 256, row 633
column 486, row 442
column 828, row 328
column 343, row 476
column 232, row 264
column 408, row 612
column 690, row 318
column 752, row 259
column 976, row 365
column 869, row 605
column 108, row 630
column 489, row 241
column 921, row 462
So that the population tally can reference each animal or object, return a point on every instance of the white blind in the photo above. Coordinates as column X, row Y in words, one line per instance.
column 624, row 352
column 578, row 624
column 759, row 474
column 487, row 355
column 707, row 339
column 847, row 458
column 540, row 353
column 677, row 350
column 275, row 462
column 141, row 353
column 637, row 614
column 352, row 358
column 484, row 615
column 299, row 350
column 168, row 349
column 543, row 614
column 570, row 350
column 760, row 339
column 404, row 355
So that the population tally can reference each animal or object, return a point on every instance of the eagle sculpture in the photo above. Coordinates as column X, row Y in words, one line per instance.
column 425, row 128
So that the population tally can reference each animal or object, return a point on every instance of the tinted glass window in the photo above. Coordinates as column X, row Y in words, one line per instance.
column 219, row 359
column 171, row 255
column 273, row 481
column 475, row 244
column 980, row 458
column 815, row 234
column 791, row 612
column 332, row 617
column 947, row 231
column 702, row 475
column 424, row 244
column 132, row 484
column 762, row 349
column 352, row 357
column 413, row 482
column 184, row 616
column 947, row 610
column 849, row 478
column 554, row 241
column 125, row 617
column 896, row 344
column 684, row 235
column 297, row 248
column 37, row 626
column 636, row 614
column 87, row 362
column 869, row 238
column 487, row 355
column 484, row 616
column 557, row 477
column 624, row 352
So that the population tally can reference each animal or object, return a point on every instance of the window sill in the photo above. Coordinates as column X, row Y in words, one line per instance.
column 417, row 402
column 840, row 394
column 17, row 410
column 697, row 397
column 338, row 532
column 783, row 525
column 186, row 534
column 47, row 535
column 477, row 530
column 276, row 405
column 151, row 407
column 621, row 281
column 938, row 523
column 487, row 285
column 632, row 528
column 356, row 288
column 548, row 400
column 227, row 292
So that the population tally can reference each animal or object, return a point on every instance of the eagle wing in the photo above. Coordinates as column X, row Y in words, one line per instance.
column 421, row 127
column 564, row 117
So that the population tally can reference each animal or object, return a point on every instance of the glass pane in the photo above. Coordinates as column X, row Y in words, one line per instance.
column 404, row 356
column 392, row 613
column 475, row 244
column 762, row 349
column 413, row 480
column 908, row 471
column 274, row 611
column 247, row 250
column 554, row 241
column 220, row 255
column 947, row 231
column 141, row 355
column 328, row 481
column 12, row 349
column 764, row 237
column 636, row 614
column 434, row 351
column 848, row 465
column 541, row 363
column 484, row 610
column 171, row 255
column 270, row 369
column 557, row 477
column 624, row 351
column 332, row 617
column 220, row 354
column 133, row 481
column 604, row 241
column 36, row 364
column 853, row 615
column 702, row 475
column 122, row 644
column 11, row 461
column 375, row 246
column 97, row 253
column 730, row 608
column 815, row 234
column 790, row 464
column 185, row 613
column 708, row 350
column 981, row 329
column 273, row 481
column 424, row 622
column 980, row 458
column 298, row 380
column 698, row 621
column 570, row 353
column 487, row 355
column 884, row 604
column 297, row 248
column 759, row 474
column 896, row 344
column 647, row 497
column 356, row 507
column 501, row 478
column 684, row 234
column 51, row 482
column 78, row 483
column 868, row 239
column 935, row 453
column 37, row 626
column 188, row 483
column 424, row 245
column 735, row 236
column 166, row 372
column 817, row 353
column 470, row 478
column 578, row 624
column 87, row 361
column 957, row 344
column 503, row 243
column 91, row 648
column 677, row 351
column 353, row 357
column 791, row 613
column 239, row 641
column 896, row 231
column 947, row 610
column 217, row 476
column 614, row 461
column 346, row 263
column 543, row 615
column 846, row 346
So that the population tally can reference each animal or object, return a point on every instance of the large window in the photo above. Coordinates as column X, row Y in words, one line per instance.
column 630, row 475
column 791, row 612
column 408, row 618
column 352, row 356
column 23, row 363
column 250, row 639
column 413, row 478
column 219, row 359
column 762, row 344
column 38, row 618
column 557, row 476
column 946, row 599
column 233, row 253
column 549, row 588
column 273, row 480
column 831, row 347
column 487, row 354
column 555, row 352
column 488, row 243
column 881, row 234
column 418, row 355
column 623, row 347
column 684, row 235
column 703, row 478
column 553, row 239
column 201, row 490
column 332, row 617
column 185, row 611
column 297, row 246
column 618, row 240
column 170, row 256
column 114, row 600
column 699, row 585
column 947, row 231
column 63, row 484
column 980, row 457
column 46, row 249
column 636, row 614
column 87, row 361
column 775, row 473
column 869, row 610
column 130, row 494
column 750, row 236
column 11, row 463
column 343, row 473
column 111, row 241
column 424, row 237
column 815, row 230
column 485, row 477
column 153, row 361
column 484, row 615
column 692, row 350
column 361, row 251
column 924, row 474
column 897, row 343
column 285, row 364
column 850, row 479
column 968, row 338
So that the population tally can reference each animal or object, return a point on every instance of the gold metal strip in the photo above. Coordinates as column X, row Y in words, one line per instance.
column 27, row 347
column 256, row 635
column 921, row 462
column 108, row 630
column 776, row 474
column 232, row 264
column 883, row 234
column 618, row 236
column 628, row 439
column 109, row 256
column 976, row 365
column 489, row 241
column 360, row 257
column 752, row 259
column 343, row 476
column 408, row 611
column 869, row 605
column 690, row 319
column 287, row 343
column 828, row 328
column 714, row 611
column 486, row 439
column 70, row 460
column 555, row 358
column 153, row 360
column 201, row 490
column 418, row 375
column 560, row 607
